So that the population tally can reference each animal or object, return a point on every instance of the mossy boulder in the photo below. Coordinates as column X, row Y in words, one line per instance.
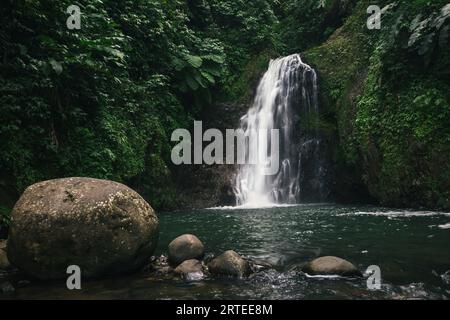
column 102, row 226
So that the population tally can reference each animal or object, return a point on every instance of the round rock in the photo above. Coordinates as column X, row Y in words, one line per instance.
column 185, row 247
column 331, row 266
column 101, row 226
column 190, row 270
column 229, row 263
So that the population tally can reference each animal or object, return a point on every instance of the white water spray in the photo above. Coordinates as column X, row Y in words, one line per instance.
column 286, row 94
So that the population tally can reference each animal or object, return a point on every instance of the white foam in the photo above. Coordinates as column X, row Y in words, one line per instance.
column 323, row 276
column 398, row 214
column 254, row 206
column 444, row 226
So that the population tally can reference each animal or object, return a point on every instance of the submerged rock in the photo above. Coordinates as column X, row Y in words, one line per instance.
column 7, row 288
column 331, row 266
column 185, row 247
column 4, row 262
column 191, row 270
column 160, row 266
column 102, row 226
column 446, row 277
column 230, row 263
column 260, row 265
column 160, row 269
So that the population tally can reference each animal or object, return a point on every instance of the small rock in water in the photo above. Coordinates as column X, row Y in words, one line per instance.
column 191, row 270
column 331, row 266
column 208, row 258
column 7, row 288
column 160, row 266
column 446, row 277
column 230, row 263
column 194, row 276
column 184, row 248
column 23, row 283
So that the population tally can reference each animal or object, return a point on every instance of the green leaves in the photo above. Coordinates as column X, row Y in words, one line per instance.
column 215, row 58
column 196, row 74
column 192, row 81
column 4, row 216
column 57, row 67
column 116, row 53
column 209, row 77
column 194, row 61
column 429, row 33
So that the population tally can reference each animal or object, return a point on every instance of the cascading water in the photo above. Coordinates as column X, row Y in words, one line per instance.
column 286, row 99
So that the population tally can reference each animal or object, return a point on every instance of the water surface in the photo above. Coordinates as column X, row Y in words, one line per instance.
column 410, row 247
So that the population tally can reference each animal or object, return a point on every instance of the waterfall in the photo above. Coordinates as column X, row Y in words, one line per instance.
column 286, row 99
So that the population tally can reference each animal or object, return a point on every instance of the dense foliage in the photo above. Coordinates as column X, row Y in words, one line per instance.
column 404, row 111
column 391, row 92
column 102, row 101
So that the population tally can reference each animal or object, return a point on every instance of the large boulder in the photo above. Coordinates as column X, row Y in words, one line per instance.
column 331, row 266
column 185, row 247
column 230, row 263
column 104, row 227
column 190, row 270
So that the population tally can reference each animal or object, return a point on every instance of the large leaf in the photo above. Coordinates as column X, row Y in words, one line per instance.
column 178, row 64
column 214, row 57
column 194, row 61
column 191, row 82
column 198, row 77
column 208, row 77
column 214, row 71
column 116, row 53
column 56, row 66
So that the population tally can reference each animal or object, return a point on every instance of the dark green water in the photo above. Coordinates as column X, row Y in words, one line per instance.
column 411, row 248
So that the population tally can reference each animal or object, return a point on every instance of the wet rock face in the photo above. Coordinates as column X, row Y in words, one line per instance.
column 230, row 263
column 331, row 266
column 314, row 171
column 185, row 247
column 205, row 186
column 102, row 226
